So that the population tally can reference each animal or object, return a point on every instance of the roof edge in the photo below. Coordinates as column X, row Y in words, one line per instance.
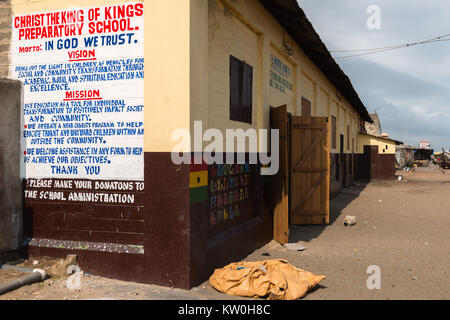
column 294, row 20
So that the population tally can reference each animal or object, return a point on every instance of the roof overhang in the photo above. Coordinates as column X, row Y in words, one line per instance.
column 398, row 143
column 293, row 19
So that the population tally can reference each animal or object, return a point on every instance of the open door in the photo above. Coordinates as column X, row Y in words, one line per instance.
column 310, row 168
column 279, row 185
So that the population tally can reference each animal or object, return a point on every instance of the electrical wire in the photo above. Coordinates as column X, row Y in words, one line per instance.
column 390, row 48
column 401, row 45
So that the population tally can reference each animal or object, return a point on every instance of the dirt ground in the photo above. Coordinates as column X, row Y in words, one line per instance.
column 402, row 227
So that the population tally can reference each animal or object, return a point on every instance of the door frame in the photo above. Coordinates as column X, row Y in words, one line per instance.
column 309, row 170
column 281, row 183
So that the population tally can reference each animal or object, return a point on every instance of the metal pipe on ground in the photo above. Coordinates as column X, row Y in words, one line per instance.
column 12, row 267
column 36, row 276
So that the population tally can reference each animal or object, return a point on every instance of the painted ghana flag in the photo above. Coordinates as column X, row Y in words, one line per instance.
column 198, row 181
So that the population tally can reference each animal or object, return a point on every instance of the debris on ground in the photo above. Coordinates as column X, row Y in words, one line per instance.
column 272, row 279
column 60, row 269
column 349, row 221
column 295, row 247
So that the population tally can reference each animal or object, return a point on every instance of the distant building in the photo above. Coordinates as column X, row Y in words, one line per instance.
column 408, row 155
column 373, row 129
column 376, row 152
column 425, row 145
column 376, row 160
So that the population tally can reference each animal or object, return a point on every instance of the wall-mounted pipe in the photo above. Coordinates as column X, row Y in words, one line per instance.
column 36, row 276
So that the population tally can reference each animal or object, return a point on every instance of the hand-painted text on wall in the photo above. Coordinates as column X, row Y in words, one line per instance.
column 280, row 74
column 83, row 76
column 229, row 185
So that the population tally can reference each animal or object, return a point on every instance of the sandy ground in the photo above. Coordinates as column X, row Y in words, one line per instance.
column 402, row 227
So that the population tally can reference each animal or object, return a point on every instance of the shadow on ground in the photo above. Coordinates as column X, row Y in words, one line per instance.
column 337, row 205
column 14, row 257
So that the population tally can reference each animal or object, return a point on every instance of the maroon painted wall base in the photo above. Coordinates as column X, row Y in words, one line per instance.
column 346, row 165
column 167, row 237
column 374, row 166
column 120, row 266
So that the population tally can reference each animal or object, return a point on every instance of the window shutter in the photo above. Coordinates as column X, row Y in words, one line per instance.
column 306, row 107
column 348, row 137
column 333, row 133
column 241, row 91
column 247, row 93
column 235, row 80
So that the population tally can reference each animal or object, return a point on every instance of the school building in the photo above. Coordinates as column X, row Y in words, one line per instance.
column 231, row 64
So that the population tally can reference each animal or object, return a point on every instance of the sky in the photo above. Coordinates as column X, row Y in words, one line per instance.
column 409, row 88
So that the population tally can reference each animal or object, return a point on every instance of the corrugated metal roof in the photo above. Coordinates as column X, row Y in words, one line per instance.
column 293, row 19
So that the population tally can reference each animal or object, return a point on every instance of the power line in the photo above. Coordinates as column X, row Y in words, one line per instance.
column 389, row 48
column 400, row 45
column 360, row 50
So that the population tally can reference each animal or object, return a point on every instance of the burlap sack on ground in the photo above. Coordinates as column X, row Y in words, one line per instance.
column 272, row 279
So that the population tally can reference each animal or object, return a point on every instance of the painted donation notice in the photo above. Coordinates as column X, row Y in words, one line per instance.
column 82, row 71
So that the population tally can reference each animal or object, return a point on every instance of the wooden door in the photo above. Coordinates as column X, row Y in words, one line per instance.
column 310, row 170
column 279, row 185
